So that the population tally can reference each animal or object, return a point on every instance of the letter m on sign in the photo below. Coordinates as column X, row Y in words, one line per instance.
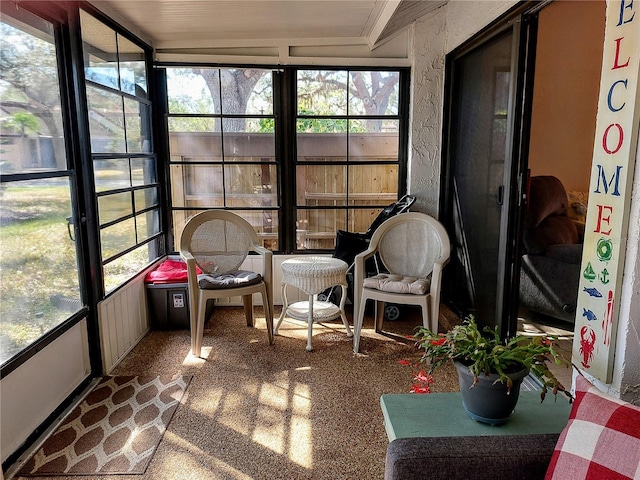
column 602, row 180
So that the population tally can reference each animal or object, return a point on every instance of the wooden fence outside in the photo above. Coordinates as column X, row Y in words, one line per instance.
column 325, row 191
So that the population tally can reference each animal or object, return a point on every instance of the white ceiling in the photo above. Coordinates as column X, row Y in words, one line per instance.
column 170, row 24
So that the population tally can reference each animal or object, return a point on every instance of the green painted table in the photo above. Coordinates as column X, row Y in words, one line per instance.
column 442, row 415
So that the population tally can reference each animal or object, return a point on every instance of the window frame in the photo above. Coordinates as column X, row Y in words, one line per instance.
column 285, row 117
column 157, row 241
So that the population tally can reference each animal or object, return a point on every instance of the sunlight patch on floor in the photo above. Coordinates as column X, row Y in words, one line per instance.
column 180, row 462
column 193, row 361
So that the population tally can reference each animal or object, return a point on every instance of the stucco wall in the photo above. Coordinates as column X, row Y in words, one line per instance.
column 435, row 35
column 626, row 370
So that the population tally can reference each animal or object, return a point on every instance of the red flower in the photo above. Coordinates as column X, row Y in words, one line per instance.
column 404, row 362
column 439, row 341
column 423, row 377
column 417, row 388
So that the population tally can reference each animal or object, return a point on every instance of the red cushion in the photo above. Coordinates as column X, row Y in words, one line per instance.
column 601, row 439
column 169, row 271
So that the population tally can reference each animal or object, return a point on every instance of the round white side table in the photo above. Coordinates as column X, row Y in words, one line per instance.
column 313, row 275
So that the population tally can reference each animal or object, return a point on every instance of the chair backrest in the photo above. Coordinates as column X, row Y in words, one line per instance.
column 410, row 243
column 219, row 240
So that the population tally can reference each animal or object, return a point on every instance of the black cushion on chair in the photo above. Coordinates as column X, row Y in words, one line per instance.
column 238, row 278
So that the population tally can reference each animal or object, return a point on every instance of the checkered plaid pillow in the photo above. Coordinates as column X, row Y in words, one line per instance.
column 601, row 439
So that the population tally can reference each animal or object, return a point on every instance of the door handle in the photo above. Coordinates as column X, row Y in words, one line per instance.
column 500, row 195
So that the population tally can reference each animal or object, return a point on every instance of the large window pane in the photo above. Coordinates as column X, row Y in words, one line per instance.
column 106, row 121
column 145, row 198
column 111, row 174
column 133, row 75
column 39, row 287
column 189, row 92
column 100, row 49
column 135, row 114
column 242, row 144
column 316, row 228
column 120, row 127
column 125, row 267
column 147, row 225
column 117, row 238
column 373, row 93
column 373, row 184
column 143, row 171
column 191, row 146
column 115, row 206
column 348, row 147
column 223, row 152
column 31, row 129
column 251, row 186
column 322, row 92
column 321, row 185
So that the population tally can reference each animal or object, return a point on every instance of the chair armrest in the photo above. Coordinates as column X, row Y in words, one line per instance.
column 194, row 292
column 358, row 276
column 567, row 253
column 267, row 271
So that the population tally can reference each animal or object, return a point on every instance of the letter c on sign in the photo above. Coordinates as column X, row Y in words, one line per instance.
column 606, row 136
column 609, row 104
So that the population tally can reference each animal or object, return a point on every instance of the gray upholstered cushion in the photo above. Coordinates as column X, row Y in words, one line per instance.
column 391, row 283
column 238, row 278
column 516, row 457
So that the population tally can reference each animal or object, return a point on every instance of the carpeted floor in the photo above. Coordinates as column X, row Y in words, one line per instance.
column 255, row 411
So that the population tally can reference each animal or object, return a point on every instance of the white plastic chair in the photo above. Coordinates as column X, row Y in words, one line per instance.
column 414, row 248
column 218, row 241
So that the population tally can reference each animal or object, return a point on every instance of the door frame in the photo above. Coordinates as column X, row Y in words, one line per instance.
column 523, row 21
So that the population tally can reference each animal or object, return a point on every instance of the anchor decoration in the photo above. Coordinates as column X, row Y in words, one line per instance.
column 604, row 276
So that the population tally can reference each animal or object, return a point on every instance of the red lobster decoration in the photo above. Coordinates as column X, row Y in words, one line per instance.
column 587, row 345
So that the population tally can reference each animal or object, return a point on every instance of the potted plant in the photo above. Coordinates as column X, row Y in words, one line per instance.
column 490, row 370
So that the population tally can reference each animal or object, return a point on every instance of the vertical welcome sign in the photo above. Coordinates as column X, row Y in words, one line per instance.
column 609, row 192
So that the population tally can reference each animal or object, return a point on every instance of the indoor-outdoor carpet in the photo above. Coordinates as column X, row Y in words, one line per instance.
column 114, row 430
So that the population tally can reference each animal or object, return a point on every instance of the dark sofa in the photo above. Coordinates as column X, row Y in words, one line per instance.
column 552, row 255
column 518, row 457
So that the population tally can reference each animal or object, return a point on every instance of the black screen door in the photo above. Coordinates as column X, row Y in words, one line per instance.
column 480, row 180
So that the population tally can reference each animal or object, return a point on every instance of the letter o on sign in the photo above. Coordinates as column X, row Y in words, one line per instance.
column 605, row 138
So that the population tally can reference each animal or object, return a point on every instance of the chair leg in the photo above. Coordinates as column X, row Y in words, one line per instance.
column 247, row 300
column 357, row 324
column 285, row 305
column 197, row 333
column 310, row 324
column 343, row 300
column 268, row 315
column 379, row 315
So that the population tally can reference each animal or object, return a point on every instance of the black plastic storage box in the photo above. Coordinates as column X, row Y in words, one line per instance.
column 168, row 295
